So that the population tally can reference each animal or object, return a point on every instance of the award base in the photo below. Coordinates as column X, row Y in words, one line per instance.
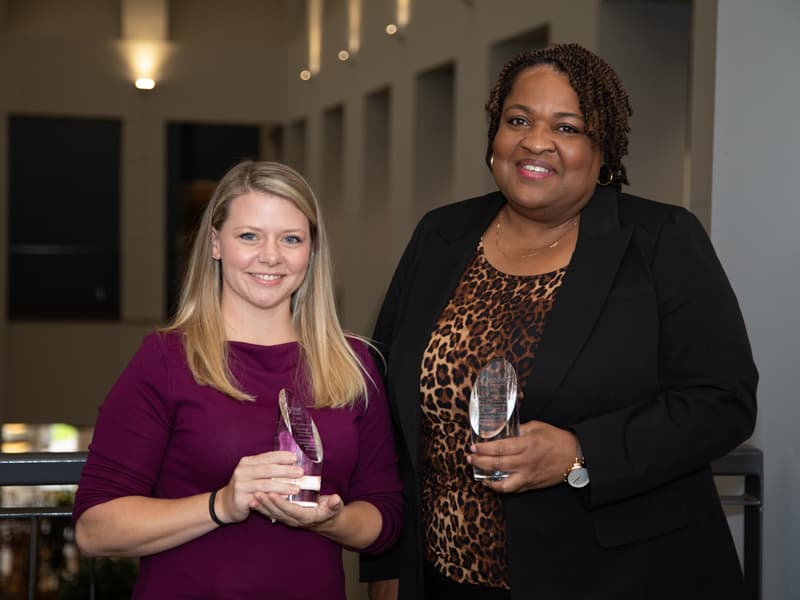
column 309, row 487
column 495, row 474
column 306, row 497
column 489, row 474
column 484, row 475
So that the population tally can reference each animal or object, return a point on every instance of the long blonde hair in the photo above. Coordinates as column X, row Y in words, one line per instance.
column 335, row 372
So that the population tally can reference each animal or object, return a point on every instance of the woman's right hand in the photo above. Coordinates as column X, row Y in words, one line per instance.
column 536, row 459
column 267, row 472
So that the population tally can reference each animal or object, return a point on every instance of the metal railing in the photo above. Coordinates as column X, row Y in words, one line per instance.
column 41, row 468
column 55, row 468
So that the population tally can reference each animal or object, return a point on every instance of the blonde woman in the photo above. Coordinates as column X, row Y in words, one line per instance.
column 181, row 470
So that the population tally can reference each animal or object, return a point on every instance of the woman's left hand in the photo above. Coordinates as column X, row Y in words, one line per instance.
column 536, row 459
column 277, row 507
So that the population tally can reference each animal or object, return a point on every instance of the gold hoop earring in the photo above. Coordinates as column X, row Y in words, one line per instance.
column 610, row 179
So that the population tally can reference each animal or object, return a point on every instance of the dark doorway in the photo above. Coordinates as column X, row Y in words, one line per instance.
column 64, row 195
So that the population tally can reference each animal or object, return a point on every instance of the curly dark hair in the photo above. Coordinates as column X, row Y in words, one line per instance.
column 603, row 100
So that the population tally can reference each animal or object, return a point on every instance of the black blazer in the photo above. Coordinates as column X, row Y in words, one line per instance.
column 644, row 356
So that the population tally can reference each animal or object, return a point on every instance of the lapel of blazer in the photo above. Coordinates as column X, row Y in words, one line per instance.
column 446, row 255
column 602, row 242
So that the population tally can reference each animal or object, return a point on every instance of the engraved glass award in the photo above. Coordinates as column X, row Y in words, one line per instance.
column 494, row 409
column 298, row 433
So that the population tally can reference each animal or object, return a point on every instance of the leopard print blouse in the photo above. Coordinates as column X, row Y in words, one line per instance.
column 490, row 314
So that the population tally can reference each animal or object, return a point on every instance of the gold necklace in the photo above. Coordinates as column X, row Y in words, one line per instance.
column 569, row 224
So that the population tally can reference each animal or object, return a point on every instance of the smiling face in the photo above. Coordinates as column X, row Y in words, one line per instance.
column 264, row 247
column 543, row 161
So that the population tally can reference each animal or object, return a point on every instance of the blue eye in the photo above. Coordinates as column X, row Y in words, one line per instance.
column 293, row 239
column 247, row 236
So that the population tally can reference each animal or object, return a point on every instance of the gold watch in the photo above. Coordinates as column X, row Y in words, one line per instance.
column 577, row 475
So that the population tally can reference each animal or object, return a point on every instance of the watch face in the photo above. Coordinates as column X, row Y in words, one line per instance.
column 578, row 477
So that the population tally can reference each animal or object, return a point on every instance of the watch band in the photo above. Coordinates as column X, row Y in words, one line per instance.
column 576, row 464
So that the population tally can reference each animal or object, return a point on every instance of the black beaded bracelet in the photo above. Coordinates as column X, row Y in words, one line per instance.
column 211, row 511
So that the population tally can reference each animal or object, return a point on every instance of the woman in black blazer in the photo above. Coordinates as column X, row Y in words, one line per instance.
column 633, row 362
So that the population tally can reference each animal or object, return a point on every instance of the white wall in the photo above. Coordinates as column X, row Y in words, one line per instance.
column 754, row 226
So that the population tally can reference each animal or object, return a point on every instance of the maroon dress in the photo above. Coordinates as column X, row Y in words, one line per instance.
column 162, row 435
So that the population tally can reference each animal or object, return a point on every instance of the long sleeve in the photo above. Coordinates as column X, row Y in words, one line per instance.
column 705, row 405
column 375, row 478
column 131, row 433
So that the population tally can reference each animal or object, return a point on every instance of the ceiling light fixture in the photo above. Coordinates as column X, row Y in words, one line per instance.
column 145, row 83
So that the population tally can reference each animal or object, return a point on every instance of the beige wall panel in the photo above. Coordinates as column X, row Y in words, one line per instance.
column 701, row 109
column 647, row 44
column 143, row 219
column 145, row 19
column 3, row 264
column 234, row 23
column 85, row 19
column 62, row 372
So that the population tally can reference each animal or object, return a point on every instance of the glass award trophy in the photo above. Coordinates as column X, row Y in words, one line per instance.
column 494, row 409
column 298, row 433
